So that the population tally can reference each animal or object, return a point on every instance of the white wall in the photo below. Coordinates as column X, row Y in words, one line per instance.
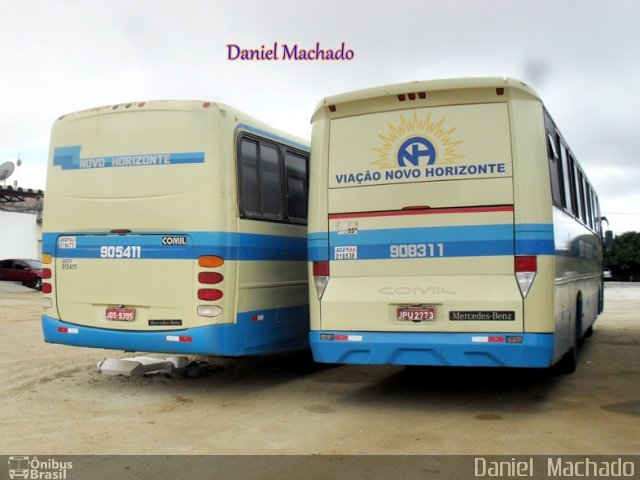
column 19, row 235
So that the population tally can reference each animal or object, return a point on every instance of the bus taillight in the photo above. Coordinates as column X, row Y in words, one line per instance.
column 320, row 276
column 210, row 278
column 209, row 294
column 526, row 267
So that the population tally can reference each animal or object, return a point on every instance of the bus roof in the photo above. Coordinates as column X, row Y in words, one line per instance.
column 454, row 85
column 225, row 111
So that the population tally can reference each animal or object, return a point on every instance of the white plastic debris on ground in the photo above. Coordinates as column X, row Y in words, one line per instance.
column 139, row 366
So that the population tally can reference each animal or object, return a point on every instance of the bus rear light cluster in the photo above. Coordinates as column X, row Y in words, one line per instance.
column 320, row 277
column 526, row 267
column 210, row 278
column 47, row 273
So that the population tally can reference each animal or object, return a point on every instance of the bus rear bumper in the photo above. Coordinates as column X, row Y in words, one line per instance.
column 526, row 350
column 232, row 339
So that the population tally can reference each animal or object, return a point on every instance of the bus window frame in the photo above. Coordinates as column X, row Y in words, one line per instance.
column 281, row 149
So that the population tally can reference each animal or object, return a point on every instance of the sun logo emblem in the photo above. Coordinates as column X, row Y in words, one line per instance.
column 415, row 142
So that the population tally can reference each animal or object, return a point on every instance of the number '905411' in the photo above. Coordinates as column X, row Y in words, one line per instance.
column 120, row 251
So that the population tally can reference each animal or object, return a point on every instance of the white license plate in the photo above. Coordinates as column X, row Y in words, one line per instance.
column 120, row 314
column 345, row 253
column 415, row 314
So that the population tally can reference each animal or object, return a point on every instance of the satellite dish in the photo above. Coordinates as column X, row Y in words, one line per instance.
column 6, row 169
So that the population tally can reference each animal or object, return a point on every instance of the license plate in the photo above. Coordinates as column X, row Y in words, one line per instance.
column 415, row 314
column 120, row 314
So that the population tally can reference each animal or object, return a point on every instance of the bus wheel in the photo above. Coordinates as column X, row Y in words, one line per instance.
column 568, row 362
column 588, row 332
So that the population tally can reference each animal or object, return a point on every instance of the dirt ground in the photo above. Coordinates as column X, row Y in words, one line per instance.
column 53, row 401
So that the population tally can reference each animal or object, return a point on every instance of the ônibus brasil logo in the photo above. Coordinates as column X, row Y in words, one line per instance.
column 419, row 141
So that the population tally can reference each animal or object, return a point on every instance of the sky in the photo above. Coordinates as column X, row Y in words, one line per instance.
column 62, row 56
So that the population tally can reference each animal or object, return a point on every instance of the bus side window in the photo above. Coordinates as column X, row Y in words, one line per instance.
column 270, row 182
column 554, row 170
column 581, row 202
column 575, row 189
column 589, row 193
column 297, row 186
column 569, row 194
column 250, row 177
column 273, row 181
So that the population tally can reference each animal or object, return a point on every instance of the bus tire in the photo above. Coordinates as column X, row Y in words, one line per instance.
column 588, row 332
column 568, row 362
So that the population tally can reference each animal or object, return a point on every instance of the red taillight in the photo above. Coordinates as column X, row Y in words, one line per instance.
column 47, row 288
column 210, row 278
column 46, row 273
column 527, row 263
column 320, row 276
column 209, row 294
column 525, row 272
column 321, row 269
column 500, row 91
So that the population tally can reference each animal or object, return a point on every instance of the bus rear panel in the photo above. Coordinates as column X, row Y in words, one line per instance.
column 143, row 246
column 439, row 239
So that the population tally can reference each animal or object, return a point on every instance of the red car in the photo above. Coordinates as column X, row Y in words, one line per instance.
column 26, row 271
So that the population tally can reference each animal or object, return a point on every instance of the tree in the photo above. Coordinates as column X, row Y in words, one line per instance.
column 624, row 258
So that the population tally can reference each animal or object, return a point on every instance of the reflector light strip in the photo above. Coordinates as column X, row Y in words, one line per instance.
column 487, row 339
column 67, row 330
column 176, row 338
column 348, row 338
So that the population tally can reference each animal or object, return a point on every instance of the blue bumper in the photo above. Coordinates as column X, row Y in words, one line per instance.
column 283, row 332
column 438, row 349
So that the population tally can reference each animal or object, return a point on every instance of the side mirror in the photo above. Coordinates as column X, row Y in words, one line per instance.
column 608, row 241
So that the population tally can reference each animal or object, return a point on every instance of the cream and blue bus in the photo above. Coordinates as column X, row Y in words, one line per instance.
column 449, row 224
column 177, row 227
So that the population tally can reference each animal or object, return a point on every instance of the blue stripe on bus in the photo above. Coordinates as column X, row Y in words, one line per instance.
column 318, row 246
column 458, row 241
column 450, row 249
column 68, row 158
column 440, row 349
column 534, row 239
column 281, row 329
column 240, row 246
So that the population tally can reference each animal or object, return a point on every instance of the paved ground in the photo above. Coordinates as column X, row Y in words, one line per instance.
column 54, row 402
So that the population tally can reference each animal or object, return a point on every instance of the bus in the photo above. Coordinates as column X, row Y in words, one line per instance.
column 175, row 227
column 449, row 224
